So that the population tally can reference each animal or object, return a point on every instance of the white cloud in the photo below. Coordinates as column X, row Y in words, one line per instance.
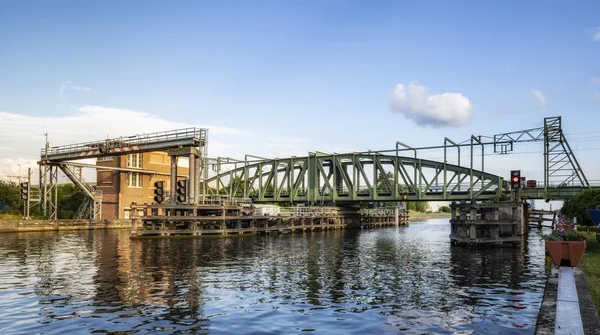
column 595, row 80
column 62, row 89
column 539, row 98
column 80, row 88
column 438, row 110
column 66, row 86
column 22, row 136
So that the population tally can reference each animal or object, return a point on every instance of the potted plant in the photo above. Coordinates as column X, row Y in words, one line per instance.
column 564, row 242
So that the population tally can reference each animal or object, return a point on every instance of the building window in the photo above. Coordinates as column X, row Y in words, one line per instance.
column 134, row 161
column 134, row 179
column 105, row 158
column 127, row 213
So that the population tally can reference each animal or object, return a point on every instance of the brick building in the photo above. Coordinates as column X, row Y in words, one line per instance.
column 121, row 188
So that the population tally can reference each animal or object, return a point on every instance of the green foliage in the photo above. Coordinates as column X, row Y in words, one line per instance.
column 444, row 209
column 591, row 267
column 417, row 206
column 576, row 207
column 502, row 196
column 10, row 198
column 69, row 200
column 11, row 216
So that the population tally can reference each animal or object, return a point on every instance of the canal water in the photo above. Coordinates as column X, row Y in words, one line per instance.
column 389, row 280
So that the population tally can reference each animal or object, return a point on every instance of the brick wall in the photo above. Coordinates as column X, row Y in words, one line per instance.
column 118, row 195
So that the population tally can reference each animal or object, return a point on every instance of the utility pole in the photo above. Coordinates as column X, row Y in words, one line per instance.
column 47, row 145
column 28, row 201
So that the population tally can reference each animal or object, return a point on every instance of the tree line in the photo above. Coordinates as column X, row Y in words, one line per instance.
column 576, row 206
column 11, row 204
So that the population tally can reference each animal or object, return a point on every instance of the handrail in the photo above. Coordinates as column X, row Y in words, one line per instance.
column 185, row 133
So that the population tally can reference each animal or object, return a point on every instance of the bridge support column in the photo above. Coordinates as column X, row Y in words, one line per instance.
column 487, row 223
column 173, row 188
column 192, row 179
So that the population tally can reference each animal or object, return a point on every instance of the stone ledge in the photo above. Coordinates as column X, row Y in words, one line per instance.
column 13, row 226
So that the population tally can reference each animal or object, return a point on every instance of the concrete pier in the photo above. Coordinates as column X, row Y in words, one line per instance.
column 487, row 222
column 226, row 219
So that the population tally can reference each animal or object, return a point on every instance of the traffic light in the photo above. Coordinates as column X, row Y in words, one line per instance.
column 159, row 192
column 25, row 191
column 515, row 179
column 181, row 190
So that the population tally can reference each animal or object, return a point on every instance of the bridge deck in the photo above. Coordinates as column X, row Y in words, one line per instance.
column 127, row 145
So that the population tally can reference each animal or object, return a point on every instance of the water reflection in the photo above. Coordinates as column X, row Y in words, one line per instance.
column 384, row 280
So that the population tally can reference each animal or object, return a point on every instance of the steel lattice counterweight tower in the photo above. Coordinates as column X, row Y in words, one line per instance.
column 561, row 168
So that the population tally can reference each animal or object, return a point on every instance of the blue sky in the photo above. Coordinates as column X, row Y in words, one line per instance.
column 276, row 78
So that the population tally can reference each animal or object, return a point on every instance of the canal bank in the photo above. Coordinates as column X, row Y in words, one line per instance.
column 567, row 307
column 416, row 216
column 13, row 226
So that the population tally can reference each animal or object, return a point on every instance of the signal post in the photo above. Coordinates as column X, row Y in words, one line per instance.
column 26, row 194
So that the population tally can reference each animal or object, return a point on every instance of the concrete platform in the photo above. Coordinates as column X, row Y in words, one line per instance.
column 567, row 307
column 568, row 316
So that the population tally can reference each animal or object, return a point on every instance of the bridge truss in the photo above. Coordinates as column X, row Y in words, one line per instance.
column 323, row 179
column 387, row 176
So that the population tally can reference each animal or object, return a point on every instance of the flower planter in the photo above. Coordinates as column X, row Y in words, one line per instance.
column 569, row 250
column 562, row 226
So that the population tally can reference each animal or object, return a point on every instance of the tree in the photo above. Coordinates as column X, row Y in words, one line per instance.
column 10, row 198
column 576, row 207
column 444, row 209
column 70, row 198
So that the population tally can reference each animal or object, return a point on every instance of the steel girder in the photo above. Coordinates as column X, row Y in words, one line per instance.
column 322, row 178
column 49, row 191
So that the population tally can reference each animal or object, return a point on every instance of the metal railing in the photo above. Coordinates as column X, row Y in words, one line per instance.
column 552, row 184
column 307, row 211
column 219, row 199
column 381, row 211
column 124, row 141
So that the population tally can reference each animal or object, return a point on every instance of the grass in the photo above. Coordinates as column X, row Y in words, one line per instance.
column 591, row 267
column 11, row 216
column 4, row 216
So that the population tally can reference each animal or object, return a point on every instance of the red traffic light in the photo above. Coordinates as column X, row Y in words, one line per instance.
column 515, row 179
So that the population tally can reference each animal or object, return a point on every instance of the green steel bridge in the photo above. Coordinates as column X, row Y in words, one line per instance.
column 319, row 178
column 339, row 178
column 388, row 175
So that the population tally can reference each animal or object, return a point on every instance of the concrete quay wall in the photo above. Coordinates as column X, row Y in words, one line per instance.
column 13, row 226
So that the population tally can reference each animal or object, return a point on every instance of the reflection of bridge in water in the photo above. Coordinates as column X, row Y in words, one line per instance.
column 102, row 281
column 324, row 179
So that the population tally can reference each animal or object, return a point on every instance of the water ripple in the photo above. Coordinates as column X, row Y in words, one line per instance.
column 396, row 280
